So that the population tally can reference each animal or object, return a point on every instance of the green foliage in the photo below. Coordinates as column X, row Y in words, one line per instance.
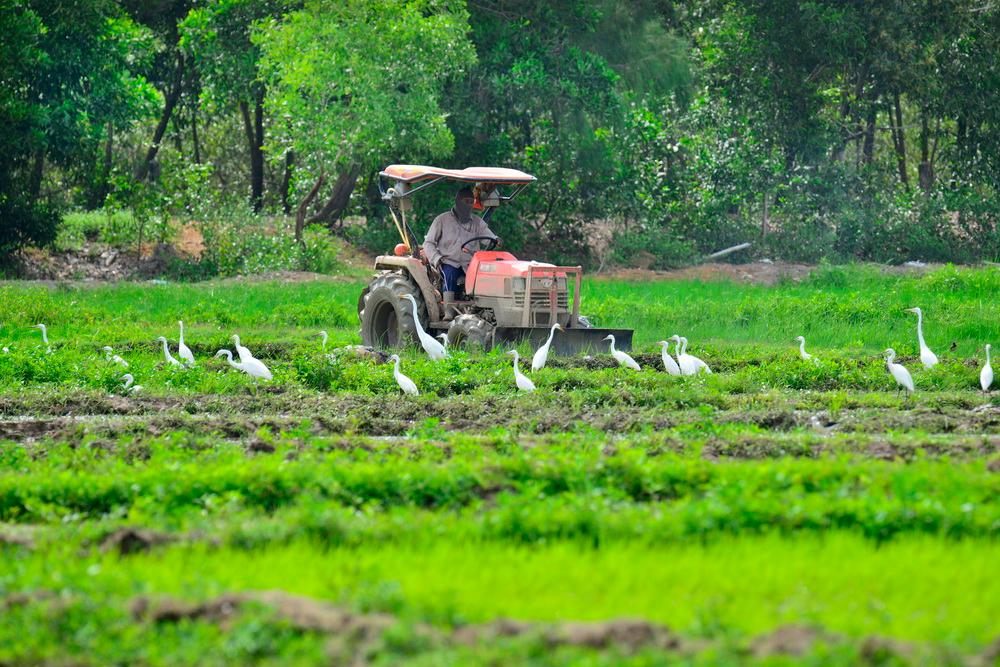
column 356, row 82
column 24, row 224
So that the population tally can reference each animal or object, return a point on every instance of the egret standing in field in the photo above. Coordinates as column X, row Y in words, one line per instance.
column 109, row 355
column 622, row 358
column 128, row 387
column 432, row 347
column 252, row 367
column 699, row 365
column 323, row 336
column 684, row 362
column 183, row 351
column 927, row 358
column 986, row 375
column 802, row 348
column 522, row 381
column 405, row 383
column 898, row 371
column 668, row 362
column 542, row 354
column 166, row 353
column 45, row 337
column 245, row 354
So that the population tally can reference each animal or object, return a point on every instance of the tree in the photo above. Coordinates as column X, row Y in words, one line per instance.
column 216, row 38
column 68, row 82
column 553, row 81
column 353, row 83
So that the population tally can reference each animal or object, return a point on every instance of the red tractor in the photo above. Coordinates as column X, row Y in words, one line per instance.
column 505, row 299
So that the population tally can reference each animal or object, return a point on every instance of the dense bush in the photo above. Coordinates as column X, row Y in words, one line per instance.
column 24, row 224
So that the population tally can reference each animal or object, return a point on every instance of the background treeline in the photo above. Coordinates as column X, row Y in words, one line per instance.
column 659, row 131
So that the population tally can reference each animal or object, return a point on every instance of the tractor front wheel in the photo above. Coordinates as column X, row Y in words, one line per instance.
column 470, row 330
column 386, row 317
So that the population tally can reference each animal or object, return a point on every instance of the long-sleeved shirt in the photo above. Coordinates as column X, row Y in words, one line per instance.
column 445, row 238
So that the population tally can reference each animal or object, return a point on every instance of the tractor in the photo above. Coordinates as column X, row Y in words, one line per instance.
column 504, row 299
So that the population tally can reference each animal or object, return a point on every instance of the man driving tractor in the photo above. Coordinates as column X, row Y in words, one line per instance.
column 448, row 248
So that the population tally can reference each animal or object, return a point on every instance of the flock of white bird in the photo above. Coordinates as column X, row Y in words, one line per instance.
column 437, row 349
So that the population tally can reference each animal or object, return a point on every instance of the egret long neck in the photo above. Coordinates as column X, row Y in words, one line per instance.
column 416, row 315
column 552, row 333
column 987, row 355
column 802, row 347
column 920, row 330
column 684, row 345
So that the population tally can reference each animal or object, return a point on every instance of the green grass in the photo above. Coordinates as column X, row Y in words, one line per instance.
column 772, row 492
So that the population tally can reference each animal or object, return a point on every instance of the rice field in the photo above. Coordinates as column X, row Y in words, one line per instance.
column 777, row 511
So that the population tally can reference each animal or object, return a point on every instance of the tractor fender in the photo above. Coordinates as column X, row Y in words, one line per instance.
column 418, row 272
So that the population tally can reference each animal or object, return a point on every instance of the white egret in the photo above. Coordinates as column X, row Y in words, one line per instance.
column 130, row 388
column 802, row 348
column 622, row 358
column 245, row 354
column 45, row 337
column 323, row 337
column 183, row 351
column 986, row 375
column 252, row 367
column 443, row 337
column 668, row 362
column 109, row 355
column 405, row 383
column 166, row 353
column 927, row 358
column 699, row 365
column 542, row 354
column 898, row 371
column 684, row 362
column 522, row 381
column 432, row 347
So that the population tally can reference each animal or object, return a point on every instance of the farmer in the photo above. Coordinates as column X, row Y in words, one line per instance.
column 443, row 245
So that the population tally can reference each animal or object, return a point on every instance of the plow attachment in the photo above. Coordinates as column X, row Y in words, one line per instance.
column 566, row 342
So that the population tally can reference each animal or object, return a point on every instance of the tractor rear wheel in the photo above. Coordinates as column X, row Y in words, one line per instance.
column 386, row 317
column 470, row 330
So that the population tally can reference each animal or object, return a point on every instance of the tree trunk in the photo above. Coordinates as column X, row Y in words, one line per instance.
column 255, row 140
column 194, row 136
column 286, row 181
column 765, row 218
column 35, row 180
column 899, row 139
column 169, row 102
column 925, row 170
column 868, row 148
column 340, row 197
column 178, row 142
column 300, row 215
column 106, row 167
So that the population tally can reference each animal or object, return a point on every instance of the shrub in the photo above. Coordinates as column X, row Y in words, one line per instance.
column 651, row 249
column 23, row 224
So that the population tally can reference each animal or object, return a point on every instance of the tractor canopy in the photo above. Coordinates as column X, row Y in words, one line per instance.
column 411, row 173
column 486, row 181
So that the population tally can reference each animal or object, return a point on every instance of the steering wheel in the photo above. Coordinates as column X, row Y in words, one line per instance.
column 493, row 242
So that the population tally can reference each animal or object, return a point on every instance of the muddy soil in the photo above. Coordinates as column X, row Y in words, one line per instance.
column 354, row 420
column 753, row 273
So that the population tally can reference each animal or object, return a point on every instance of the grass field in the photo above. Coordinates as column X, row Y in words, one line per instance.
column 777, row 511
